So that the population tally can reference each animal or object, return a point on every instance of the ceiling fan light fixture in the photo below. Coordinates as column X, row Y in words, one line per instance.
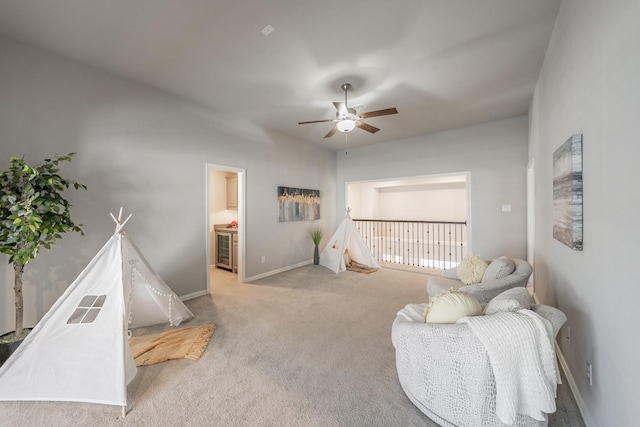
column 346, row 125
column 348, row 119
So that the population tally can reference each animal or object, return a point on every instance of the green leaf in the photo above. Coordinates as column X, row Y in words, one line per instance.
column 33, row 210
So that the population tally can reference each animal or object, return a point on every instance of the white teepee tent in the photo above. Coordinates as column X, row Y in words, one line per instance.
column 80, row 351
column 346, row 238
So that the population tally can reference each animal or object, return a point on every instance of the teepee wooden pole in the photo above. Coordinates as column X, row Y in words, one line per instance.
column 119, row 223
column 125, row 221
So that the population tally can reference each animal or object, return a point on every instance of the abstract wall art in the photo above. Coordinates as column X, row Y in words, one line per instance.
column 298, row 204
column 567, row 193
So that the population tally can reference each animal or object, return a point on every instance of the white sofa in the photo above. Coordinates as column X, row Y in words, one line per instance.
column 486, row 290
column 446, row 372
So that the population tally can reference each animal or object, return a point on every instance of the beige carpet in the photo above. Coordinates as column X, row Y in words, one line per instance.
column 302, row 348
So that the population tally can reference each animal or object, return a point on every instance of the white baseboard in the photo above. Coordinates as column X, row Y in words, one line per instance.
column 193, row 295
column 280, row 270
column 582, row 407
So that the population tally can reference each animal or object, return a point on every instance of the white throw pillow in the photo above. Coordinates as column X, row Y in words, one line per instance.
column 471, row 269
column 513, row 299
column 499, row 268
column 449, row 306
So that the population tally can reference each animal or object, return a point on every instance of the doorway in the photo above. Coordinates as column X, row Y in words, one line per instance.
column 225, row 222
column 414, row 221
column 431, row 197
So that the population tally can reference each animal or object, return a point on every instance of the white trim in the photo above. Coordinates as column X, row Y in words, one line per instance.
column 193, row 295
column 582, row 407
column 531, row 220
column 469, row 219
column 280, row 270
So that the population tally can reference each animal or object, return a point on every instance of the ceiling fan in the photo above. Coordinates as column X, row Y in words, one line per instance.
column 347, row 119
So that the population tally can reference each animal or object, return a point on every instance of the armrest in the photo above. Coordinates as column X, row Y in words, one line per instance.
column 556, row 317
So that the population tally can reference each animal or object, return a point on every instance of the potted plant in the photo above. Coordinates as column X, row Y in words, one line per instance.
column 316, row 236
column 33, row 214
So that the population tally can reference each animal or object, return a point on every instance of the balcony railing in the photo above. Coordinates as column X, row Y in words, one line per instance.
column 431, row 244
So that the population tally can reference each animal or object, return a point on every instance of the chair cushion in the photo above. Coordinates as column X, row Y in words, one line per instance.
column 499, row 268
column 471, row 269
column 513, row 299
column 451, row 273
column 449, row 306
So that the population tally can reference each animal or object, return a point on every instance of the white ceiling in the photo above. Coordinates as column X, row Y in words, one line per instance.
column 442, row 63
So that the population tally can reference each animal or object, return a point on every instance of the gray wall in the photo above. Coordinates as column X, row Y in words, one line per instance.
column 494, row 153
column 146, row 151
column 590, row 84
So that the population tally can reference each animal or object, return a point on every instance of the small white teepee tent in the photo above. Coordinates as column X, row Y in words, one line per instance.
column 79, row 351
column 346, row 238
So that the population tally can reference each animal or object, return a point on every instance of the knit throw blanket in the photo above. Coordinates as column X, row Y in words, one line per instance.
column 182, row 343
column 521, row 353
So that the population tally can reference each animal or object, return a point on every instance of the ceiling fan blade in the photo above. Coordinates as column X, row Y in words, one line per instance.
column 366, row 127
column 315, row 121
column 377, row 113
column 331, row 132
column 341, row 107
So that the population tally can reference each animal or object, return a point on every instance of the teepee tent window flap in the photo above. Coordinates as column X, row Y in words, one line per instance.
column 88, row 309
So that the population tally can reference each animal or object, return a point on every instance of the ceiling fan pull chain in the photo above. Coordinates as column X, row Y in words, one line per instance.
column 346, row 143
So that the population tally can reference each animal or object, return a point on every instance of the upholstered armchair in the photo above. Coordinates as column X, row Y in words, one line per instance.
column 492, row 283
column 445, row 370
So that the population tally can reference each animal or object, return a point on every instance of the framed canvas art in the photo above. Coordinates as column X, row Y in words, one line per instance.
column 298, row 204
column 567, row 193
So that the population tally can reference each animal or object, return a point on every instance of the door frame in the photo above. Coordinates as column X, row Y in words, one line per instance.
column 241, row 218
column 531, row 220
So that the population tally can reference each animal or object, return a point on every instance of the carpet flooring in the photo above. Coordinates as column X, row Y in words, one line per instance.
column 301, row 348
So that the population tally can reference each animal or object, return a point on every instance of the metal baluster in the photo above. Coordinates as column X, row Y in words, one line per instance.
column 430, row 244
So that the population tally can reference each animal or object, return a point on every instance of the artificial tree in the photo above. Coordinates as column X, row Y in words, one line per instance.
column 33, row 214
